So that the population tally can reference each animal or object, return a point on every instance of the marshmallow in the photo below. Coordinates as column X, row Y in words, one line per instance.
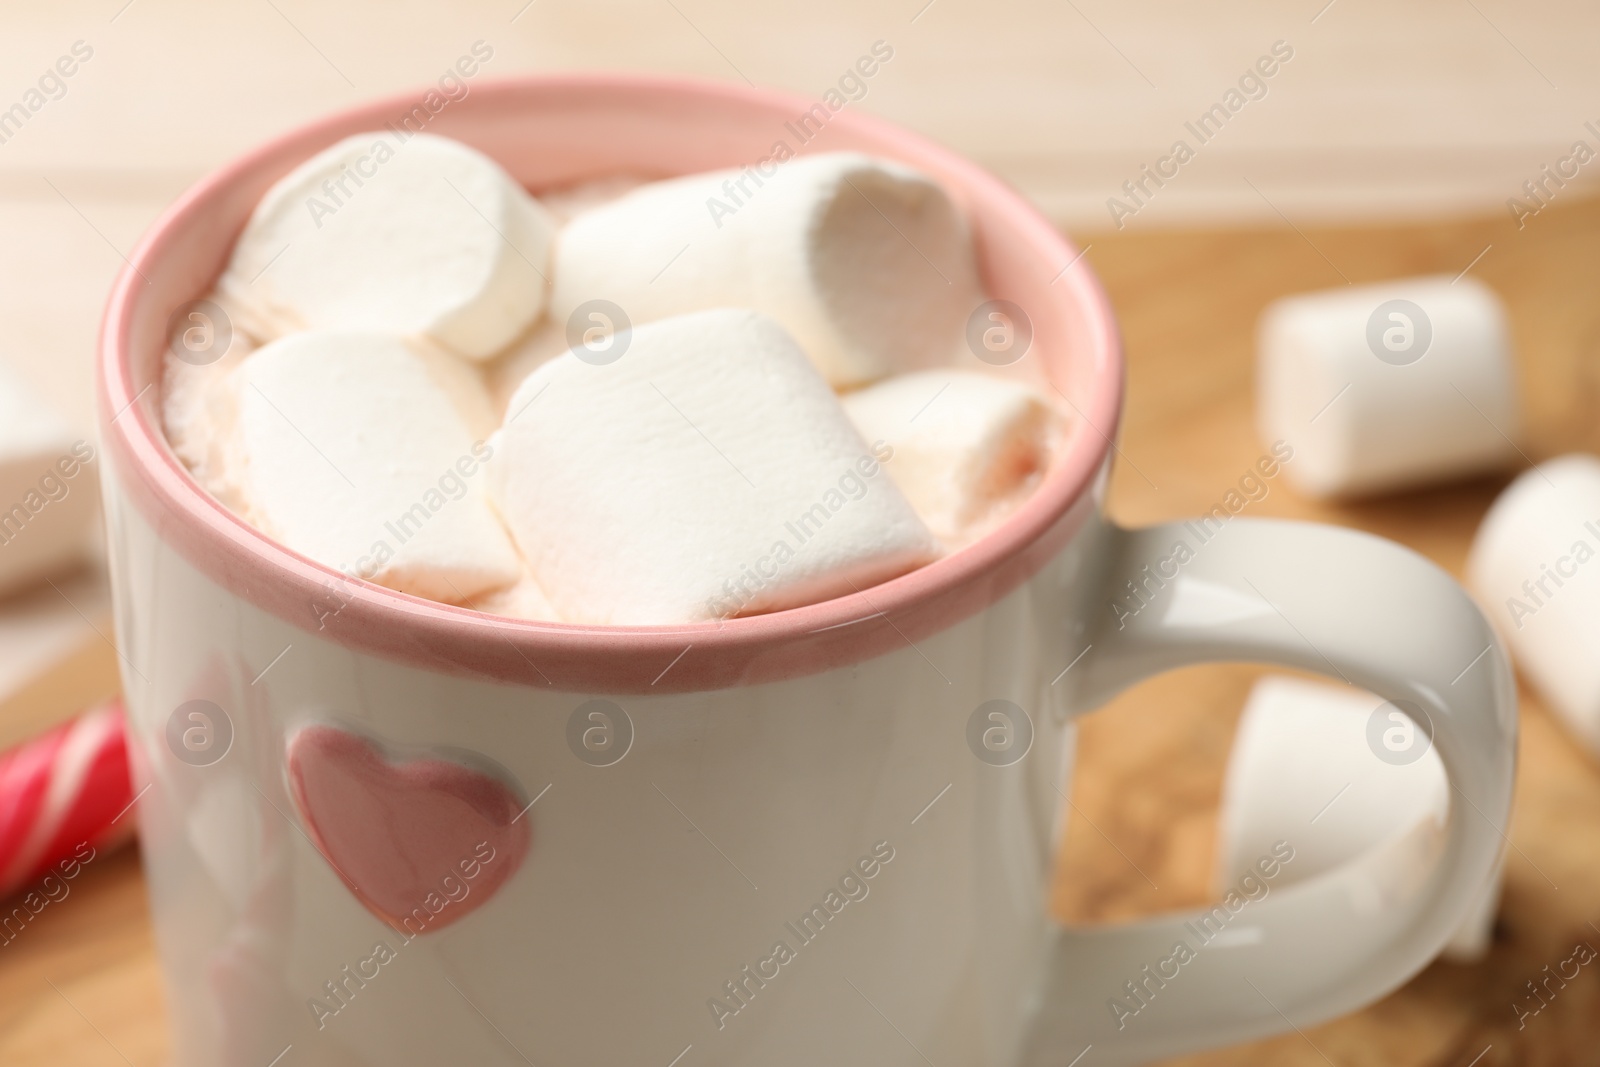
column 706, row 471
column 47, row 488
column 1330, row 770
column 967, row 447
column 868, row 264
column 523, row 600
column 1386, row 385
column 1533, row 566
column 362, row 452
column 422, row 236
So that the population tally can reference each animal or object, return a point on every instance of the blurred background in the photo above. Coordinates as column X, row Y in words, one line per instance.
column 1396, row 112
column 1391, row 140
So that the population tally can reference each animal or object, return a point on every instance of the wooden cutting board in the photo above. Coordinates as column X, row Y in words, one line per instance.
column 81, row 985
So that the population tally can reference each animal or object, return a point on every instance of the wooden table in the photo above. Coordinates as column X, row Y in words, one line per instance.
column 81, row 986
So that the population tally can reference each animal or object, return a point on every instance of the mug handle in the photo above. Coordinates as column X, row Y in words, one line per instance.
column 1341, row 603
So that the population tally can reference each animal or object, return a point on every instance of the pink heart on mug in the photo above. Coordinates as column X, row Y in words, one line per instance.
column 421, row 843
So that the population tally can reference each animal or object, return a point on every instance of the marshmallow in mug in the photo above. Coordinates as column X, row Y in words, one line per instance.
column 967, row 446
column 48, row 495
column 363, row 451
column 1381, row 386
column 417, row 236
column 1351, row 784
column 706, row 470
column 1534, row 568
column 866, row 263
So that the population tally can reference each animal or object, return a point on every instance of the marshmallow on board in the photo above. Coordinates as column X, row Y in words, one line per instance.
column 48, row 495
column 967, row 446
column 866, row 263
column 1352, row 785
column 365, row 452
column 1382, row 386
column 704, row 470
column 1535, row 571
column 423, row 236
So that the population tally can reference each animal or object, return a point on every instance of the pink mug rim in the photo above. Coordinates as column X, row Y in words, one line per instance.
column 609, row 659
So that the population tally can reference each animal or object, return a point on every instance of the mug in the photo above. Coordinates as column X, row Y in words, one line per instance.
column 380, row 830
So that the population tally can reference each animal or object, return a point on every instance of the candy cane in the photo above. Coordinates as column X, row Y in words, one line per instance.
column 61, row 790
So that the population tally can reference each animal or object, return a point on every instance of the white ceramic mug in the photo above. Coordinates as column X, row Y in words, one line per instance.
column 386, row 831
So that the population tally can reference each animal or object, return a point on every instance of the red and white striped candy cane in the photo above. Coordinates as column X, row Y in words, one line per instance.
column 61, row 790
